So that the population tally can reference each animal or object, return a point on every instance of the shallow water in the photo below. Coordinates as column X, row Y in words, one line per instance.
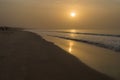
column 106, row 39
column 102, row 59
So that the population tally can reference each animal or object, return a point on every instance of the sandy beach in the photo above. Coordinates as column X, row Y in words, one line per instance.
column 27, row 56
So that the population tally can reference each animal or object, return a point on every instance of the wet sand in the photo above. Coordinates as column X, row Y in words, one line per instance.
column 103, row 60
column 27, row 56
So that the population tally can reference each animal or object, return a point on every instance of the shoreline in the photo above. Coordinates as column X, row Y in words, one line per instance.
column 27, row 56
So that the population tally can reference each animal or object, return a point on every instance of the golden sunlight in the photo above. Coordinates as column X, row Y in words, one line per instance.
column 72, row 14
column 70, row 47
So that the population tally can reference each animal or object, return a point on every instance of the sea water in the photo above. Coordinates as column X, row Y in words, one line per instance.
column 109, row 39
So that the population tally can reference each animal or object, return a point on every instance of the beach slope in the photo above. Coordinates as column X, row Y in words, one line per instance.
column 27, row 56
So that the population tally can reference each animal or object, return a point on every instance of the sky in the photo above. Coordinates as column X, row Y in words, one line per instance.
column 55, row 14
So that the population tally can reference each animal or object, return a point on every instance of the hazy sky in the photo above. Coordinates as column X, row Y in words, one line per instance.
column 55, row 13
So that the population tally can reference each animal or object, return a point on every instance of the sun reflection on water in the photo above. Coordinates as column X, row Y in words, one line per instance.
column 72, row 35
column 73, row 31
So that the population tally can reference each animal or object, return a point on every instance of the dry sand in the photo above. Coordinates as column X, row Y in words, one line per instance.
column 27, row 56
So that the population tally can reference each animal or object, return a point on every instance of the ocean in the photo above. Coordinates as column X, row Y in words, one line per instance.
column 109, row 39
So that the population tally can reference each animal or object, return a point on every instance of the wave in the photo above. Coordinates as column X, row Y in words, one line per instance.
column 111, row 35
column 108, row 41
column 111, row 47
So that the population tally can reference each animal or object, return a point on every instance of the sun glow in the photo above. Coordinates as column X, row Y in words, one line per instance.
column 72, row 14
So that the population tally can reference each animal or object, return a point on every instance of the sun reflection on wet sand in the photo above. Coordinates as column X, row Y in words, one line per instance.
column 70, row 46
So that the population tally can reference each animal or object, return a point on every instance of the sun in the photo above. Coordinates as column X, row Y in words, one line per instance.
column 72, row 14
